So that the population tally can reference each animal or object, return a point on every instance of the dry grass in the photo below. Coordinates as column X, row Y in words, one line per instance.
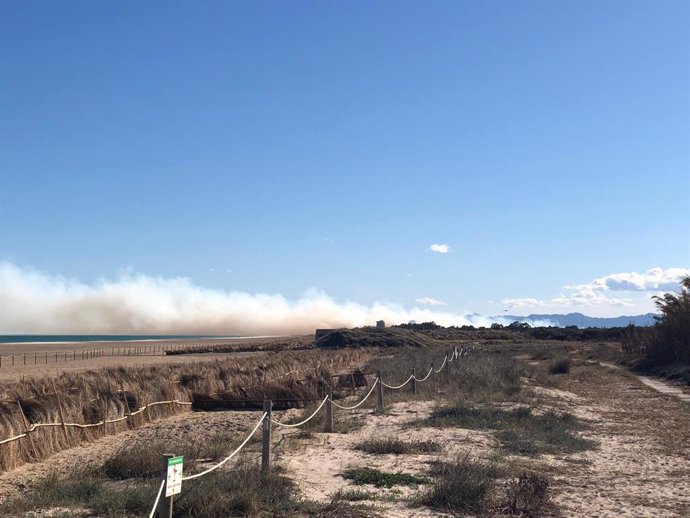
column 88, row 396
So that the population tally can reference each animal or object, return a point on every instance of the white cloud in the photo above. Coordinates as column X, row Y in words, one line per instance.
column 35, row 302
column 597, row 292
column 430, row 302
column 439, row 248
column 655, row 279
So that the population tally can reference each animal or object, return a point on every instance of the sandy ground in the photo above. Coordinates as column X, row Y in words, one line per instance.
column 113, row 354
column 317, row 462
column 641, row 467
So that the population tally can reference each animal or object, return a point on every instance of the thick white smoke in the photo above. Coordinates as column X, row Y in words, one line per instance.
column 33, row 302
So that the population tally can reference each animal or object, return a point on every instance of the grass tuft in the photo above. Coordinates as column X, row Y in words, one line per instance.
column 396, row 446
column 379, row 478
column 527, row 494
column 519, row 430
column 560, row 365
column 465, row 484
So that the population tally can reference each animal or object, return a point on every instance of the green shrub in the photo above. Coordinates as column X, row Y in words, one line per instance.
column 519, row 430
column 379, row 478
column 464, row 484
column 560, row 365
column 396, row 446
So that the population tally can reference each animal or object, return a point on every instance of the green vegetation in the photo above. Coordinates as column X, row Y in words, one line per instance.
column 470, row 485
column 520, row 431
column 379, row 478
column 665, row 348
column 143, row 460
column 669, row 341
column 242, row 491
column 463, row 484
column 396, row 446
column 83, row 490
column 355, row 495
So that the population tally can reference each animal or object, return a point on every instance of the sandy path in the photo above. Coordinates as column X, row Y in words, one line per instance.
column 657, row 384
column 642, row 465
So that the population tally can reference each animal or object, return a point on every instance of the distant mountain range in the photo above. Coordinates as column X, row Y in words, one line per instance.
column 583, row 321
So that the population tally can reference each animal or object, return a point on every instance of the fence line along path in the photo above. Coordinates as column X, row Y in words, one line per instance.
column 165, row 504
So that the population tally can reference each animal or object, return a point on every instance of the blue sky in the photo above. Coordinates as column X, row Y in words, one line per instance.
column 274, row 147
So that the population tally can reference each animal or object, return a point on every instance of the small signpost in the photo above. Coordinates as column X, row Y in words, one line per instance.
column 173, row 483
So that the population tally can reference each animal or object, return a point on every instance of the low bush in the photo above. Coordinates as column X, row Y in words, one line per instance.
column 242, row 491
column 396, row 446
column 527, row 494
column 560, row 365
column 83, row 490
column 464, row 484
column 379, row 478
column 519, row 430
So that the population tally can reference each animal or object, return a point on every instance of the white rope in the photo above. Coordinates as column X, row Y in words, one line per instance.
column 377, row 380
column 15, row 438
column 431, row 369
column 226, row 459
column 158, row 497
column 399, row 386
column 302, row 422
column 442, row 365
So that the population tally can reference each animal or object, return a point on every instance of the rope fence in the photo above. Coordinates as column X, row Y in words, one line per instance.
column 36, row 426
column 165, row 506
column 163, row 501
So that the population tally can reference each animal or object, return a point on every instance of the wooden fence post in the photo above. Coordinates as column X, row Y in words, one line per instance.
column 27, row 431
column 105, row 416
column 129, row 411
column 328, row 416
column 62, row 416
column 165, row 508
column 266, row 439
column 414, row 381
column 379, row 393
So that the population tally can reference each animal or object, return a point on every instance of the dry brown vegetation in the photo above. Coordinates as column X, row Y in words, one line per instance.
column 90, row 396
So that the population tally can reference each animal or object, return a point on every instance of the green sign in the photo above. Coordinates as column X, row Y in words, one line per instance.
column 173, row 483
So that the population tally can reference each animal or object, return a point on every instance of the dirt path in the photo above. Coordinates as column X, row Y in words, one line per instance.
column 656, row 384
column 642, row 465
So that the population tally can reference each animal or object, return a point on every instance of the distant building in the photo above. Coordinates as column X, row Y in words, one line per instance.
column 380, row 324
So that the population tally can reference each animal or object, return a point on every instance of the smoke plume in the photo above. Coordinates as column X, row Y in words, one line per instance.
column 35, row 302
